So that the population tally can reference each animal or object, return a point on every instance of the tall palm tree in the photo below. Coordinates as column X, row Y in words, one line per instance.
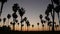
column 8, row 16
column 4, row 19
column 21, row 13
column 2, row 3
column 38, row 25
column 28, row 24
column 14, row 15
column 51, row 10
column 53, row 15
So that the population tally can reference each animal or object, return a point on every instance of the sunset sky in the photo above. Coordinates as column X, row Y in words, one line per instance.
column 33, row 9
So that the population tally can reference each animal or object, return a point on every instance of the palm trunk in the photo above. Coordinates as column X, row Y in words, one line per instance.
column 3, row 23
column 13, row 24
column 21, row 23
column 56, row 28
column 1, row 8
column 58, row 17
column 13, row 27
column 53, row 16
column 8, row 21
column 43, row 28
column 27, row 28
column 38, row 27
column 49, row 28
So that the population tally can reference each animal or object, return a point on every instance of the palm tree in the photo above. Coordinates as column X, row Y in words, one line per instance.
column 21, row 13
column 53, row 16
column 8, row 16
column 2, row 3
column 38, row 25
column 49, row 10
column 56, row 26
column 49, row 24
column 14, row 15
column 32, row 26
column 13, row 25
column 4, row 19
column 15, row 7
column 48, row 19
column 43, row 22
column 28, row 24
column 57, row 10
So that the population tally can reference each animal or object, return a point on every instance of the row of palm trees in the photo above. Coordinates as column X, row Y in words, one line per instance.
column 50, row 9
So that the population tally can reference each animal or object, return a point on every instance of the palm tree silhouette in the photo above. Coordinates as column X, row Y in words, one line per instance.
column 38, row 25
column 4, row 19
column 50, row 9
column 14, row 15
column 2, row 3
column 8, row 16
column 57, row 10
column 56, row 26
column 21, row 13
column 28, row 24
column 32, row 26
column 53, row 14
column 49, row 24
column 43, row 22
column 13, row 25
